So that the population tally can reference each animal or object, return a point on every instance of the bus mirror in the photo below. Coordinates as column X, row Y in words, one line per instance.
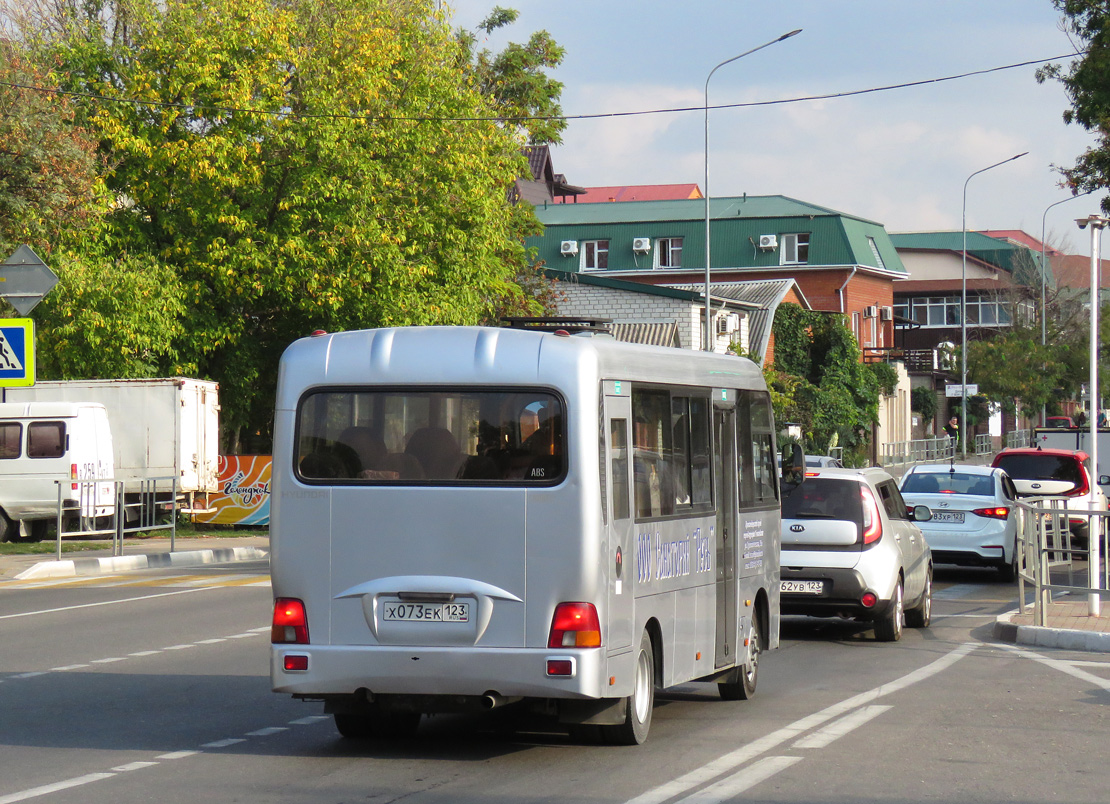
column 793, row 464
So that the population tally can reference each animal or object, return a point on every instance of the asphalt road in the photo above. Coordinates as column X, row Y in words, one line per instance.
column 154, row 687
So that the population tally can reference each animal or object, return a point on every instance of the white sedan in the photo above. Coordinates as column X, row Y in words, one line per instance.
column 975, row 516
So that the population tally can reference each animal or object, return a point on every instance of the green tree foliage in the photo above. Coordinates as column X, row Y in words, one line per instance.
column 924, row 401
column 819, row 382
column 516, row 79
column 111, row 315
column 49, row 169
column 1013, row 367
column 297, row 166
column 1087, row 81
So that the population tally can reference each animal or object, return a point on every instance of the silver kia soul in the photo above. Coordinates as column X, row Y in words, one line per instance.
column 851, row 548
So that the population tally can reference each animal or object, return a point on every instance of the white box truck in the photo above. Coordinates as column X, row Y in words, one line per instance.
column 166, row 427
column 1079, row 438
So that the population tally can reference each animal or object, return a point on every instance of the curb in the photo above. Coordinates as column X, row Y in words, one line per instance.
column 1044, row 637
column 100, row 566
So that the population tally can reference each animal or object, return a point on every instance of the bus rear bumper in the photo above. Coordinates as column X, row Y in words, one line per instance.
column 379, row 670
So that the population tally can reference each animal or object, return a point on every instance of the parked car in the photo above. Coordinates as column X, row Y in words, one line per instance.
column 1059, row 421
column 851, row 548
column 975, row 520
column 823, row 461
column 1038, row 472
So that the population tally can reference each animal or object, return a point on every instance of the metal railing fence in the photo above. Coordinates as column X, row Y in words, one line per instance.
column 1049, row 559
column 116, row 509
column 896, row 453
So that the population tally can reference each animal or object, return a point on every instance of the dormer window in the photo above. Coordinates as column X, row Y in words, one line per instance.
column 595, row 255
column 795, row 249
column 668, row 252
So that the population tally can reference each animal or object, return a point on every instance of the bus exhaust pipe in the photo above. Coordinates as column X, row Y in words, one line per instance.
column 492, row 700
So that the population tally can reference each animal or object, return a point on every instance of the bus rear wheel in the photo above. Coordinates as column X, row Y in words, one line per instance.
column 638, row 705
column 740, row 684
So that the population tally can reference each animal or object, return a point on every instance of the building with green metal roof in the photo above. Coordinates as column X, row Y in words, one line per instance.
column 747, row 232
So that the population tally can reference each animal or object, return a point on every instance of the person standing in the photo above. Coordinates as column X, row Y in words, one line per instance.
column 953, row 429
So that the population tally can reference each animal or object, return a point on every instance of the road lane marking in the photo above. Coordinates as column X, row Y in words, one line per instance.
column 732, row 760
column 132, row 766
column 78, row 781
column 105, row 603
column 1064, row 667
column 136, row 654
column 47, row 789
column 224, row 743
column 838, row 728
column 739, row 782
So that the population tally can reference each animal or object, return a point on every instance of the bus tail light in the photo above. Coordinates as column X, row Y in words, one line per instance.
column 73, row 476
column 290, row 625
column 872, row 521
column 575, row 625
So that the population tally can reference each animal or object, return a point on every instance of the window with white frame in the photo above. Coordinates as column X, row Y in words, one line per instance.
column 795, row 249
column 944, row 311
column 595, row 255
column 857, row 327
column 668, row 252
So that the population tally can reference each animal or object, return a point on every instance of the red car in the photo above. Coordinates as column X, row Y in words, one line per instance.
column 1064, row 473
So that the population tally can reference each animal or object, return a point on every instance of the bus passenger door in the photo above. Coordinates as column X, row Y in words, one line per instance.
column 724, row 440
column 618, row 514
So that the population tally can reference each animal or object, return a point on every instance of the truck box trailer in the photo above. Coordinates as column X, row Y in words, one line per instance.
column 160, row 427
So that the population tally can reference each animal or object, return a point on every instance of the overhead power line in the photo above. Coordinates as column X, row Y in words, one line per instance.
column 223, row 110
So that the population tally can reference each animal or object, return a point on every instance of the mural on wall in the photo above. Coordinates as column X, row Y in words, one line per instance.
column 244, row 495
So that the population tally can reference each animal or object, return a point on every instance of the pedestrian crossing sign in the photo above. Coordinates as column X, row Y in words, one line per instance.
column 17, row 352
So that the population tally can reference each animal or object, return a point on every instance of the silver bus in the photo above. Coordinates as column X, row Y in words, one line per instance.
column 474, row 517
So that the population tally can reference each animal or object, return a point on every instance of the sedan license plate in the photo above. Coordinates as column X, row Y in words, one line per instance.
column 948, row 516
column 802, row 587
column 427, row 612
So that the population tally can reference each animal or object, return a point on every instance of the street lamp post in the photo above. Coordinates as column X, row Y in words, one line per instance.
column 1094, row 532
column 963, row 310
column 1044, row 311
column 708, row 306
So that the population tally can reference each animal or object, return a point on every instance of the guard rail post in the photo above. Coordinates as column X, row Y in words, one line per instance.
column 58, row 534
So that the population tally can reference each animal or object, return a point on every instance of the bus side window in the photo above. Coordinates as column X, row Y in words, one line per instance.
column 618, row 443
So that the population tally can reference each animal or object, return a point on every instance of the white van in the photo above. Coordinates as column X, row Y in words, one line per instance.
column 43, row 444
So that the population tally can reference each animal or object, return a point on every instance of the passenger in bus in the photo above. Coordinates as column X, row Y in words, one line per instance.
column 437, row 451
column 368, row 446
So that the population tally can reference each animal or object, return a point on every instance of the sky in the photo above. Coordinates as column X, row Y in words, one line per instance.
column 898, row 157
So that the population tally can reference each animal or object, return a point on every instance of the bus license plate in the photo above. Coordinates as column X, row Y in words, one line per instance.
column 427, row 612
column 802, row 587
column 948, row 516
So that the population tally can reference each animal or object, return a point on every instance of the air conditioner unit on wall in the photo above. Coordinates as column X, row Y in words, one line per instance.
column 870, row 311
column 641, row 245
column 568, row 248
column 727, row 324
column 886, row 314
column 768, row 242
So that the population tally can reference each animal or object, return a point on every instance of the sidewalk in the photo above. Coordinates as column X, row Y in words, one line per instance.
column 1068, row 626
column 137, row 554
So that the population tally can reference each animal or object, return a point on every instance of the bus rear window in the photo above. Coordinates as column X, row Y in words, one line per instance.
column 430, row 436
